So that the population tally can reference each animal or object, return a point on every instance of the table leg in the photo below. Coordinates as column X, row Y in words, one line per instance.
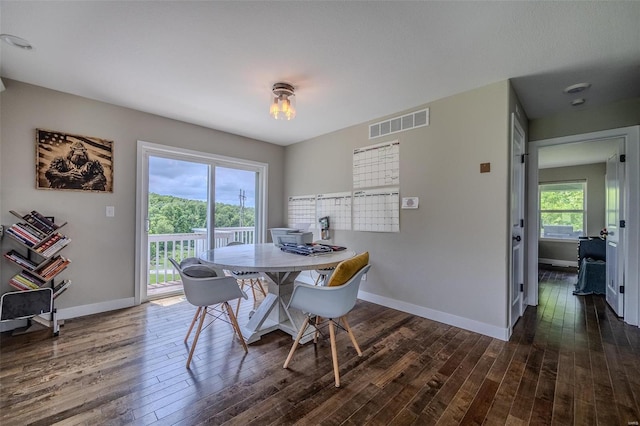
column 272, row 314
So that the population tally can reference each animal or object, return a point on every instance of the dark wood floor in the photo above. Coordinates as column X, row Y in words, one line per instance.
column 570, row 361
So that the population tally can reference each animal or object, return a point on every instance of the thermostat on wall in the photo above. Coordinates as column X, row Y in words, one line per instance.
column 410, row 202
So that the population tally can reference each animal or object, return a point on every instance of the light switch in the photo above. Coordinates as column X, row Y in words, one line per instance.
column 111, row 211
column 485, row 167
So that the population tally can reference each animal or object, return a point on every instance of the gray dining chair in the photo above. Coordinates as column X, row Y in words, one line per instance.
column 211, row 294
column 328, row 304
column 253, row 280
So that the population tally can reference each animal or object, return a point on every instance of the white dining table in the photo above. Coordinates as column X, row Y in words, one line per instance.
column 280, row 269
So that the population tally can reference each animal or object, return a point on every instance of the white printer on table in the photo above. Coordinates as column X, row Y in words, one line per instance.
column 281, row 236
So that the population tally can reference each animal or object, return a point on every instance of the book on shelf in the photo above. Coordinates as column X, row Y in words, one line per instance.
column 18, row 285
column 61, row 288
column 43, row 221
column 27, row 280
column 27, row 232
column 55, row 269
column 55, row 247
column 38, row 233
column 20, row 260
column 18, row 236
column 51, row 245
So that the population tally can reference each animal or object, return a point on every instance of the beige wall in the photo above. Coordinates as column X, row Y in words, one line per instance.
column 450, row 258
column 611, row 116
column 594, row 174
column 102, row 249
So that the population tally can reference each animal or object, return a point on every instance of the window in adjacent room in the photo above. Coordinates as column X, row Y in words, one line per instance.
column 562, row 210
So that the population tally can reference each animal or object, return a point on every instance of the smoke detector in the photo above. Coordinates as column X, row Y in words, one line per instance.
column 577, row 88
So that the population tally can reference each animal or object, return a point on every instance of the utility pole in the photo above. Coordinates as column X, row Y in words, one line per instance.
column 242, row 198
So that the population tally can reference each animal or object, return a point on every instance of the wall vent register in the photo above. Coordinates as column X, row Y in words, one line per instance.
column 399, row 124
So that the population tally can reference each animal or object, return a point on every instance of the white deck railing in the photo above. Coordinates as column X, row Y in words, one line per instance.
column 180, row 246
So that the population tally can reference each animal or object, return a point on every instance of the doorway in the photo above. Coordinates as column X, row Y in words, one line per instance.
column 189, row 202
column 628, row 272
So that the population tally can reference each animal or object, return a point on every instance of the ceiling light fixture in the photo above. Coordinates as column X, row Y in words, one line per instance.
column 578, row 101
column 16, row 41
column 577, row 88
column 283, row 102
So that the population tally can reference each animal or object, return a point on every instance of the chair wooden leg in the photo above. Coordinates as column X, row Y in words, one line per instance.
column 305, row 324
column 253, row 292
column 193, row 322
column 316, row 333
column 334, row 353
column 195, row 339
column 236, row 327
column 239, row 298
column 353, row 338
column 261, row 287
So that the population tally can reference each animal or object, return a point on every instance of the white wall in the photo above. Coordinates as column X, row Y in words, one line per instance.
column 102, row 249
column 450, row 260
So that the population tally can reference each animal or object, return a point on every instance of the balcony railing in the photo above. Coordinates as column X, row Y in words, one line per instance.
column 162, row 276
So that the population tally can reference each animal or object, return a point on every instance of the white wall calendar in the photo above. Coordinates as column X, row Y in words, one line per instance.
column 338, row 207
column 376, row 210
column 377, row 165
column 302, row 209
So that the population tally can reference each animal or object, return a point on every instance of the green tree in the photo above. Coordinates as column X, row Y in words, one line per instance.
column 173, row 215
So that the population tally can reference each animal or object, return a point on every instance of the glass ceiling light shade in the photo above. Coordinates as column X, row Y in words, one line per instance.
column 283, row 102
column 16, row 41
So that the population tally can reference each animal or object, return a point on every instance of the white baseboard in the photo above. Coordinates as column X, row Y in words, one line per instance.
column 558, row 262
column 432, row 314
column 12, row 325
column 95, row 308
column 74, row 312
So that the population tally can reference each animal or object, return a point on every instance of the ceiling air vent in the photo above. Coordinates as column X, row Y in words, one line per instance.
column 399, row 124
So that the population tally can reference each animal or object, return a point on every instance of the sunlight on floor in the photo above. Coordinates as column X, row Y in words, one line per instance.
column 168, row 301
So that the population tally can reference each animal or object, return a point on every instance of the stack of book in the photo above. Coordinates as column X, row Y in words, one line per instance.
column 26, row 281
column 25, row 234
column 61, row 288
column 40, row 222
column 20, row 260
column 52, row 267
column 52, row 245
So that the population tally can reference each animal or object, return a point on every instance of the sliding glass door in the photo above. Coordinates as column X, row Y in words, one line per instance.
column 190, row 202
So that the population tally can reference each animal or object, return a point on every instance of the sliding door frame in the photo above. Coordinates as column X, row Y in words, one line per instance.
column 147, row 149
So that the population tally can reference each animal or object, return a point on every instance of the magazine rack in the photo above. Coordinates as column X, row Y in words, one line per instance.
column 40, row 243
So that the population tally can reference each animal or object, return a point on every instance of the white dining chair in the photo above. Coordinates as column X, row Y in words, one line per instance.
column 253, row 280
column 329, row 304
column 211, row 294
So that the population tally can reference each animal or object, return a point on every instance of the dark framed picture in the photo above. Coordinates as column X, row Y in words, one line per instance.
column 73, row 162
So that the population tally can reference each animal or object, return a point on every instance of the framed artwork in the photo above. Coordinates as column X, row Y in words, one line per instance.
column 73, row 162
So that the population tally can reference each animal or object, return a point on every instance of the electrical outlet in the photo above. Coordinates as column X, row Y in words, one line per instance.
column 364, row 277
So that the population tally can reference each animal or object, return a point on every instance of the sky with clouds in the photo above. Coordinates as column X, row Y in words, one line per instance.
column 189, row 180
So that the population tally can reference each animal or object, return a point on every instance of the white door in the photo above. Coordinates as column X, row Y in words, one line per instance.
column 615, row 232
column 516, row 264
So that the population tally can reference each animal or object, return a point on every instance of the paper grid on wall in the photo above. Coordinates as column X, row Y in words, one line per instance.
column 302, row 210
column 338, row 207
column 376, row 165
column 376, row 210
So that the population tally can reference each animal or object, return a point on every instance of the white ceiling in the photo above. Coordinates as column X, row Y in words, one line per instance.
column 213, row 63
